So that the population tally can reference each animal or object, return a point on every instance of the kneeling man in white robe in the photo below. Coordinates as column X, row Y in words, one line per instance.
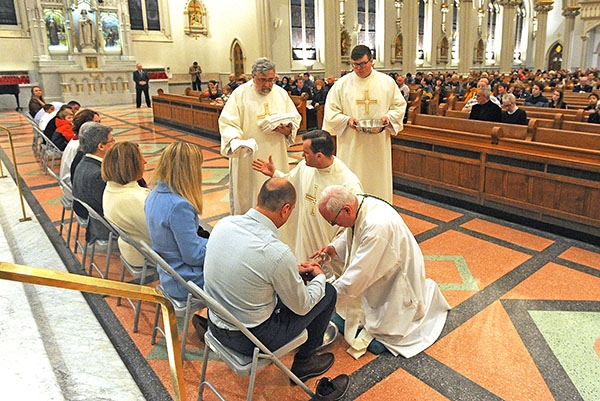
column 383, row 293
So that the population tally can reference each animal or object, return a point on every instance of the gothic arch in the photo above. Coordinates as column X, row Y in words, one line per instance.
column 555, row 54
column 237, row 58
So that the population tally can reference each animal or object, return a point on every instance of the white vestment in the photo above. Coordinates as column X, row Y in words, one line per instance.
column 369, row 156
column 383, row 287
column 240, row 120
column 306, row 231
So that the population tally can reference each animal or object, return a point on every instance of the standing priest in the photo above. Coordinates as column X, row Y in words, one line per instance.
column 258, row 120
column 365, row 94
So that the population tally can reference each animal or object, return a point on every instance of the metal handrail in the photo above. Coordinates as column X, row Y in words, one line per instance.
column 12, row 148
column 70, row 281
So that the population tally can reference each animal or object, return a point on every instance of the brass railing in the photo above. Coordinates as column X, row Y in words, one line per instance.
column 18, row 181
column 51, row 278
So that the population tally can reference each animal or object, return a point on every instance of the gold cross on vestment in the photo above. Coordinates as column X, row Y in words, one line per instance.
column 367, row 102
column 312, row 199
column 267, row 113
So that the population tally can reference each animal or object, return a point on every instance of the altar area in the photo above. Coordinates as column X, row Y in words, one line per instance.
column 82, row 49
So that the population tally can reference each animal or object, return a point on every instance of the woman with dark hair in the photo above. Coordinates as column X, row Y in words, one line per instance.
column 37, row 101
column 285, row 83
column 556, row 101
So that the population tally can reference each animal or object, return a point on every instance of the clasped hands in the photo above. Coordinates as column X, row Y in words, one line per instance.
column 311, row 268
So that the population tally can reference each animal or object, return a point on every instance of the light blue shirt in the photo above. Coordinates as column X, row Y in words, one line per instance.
column 247, row 268
column 173, row 226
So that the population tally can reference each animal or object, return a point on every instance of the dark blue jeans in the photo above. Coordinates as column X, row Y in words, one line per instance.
column 283, row 326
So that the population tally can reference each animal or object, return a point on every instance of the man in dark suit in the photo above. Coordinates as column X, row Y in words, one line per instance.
column 141, row 79
column 95, row 140
column 485, row 110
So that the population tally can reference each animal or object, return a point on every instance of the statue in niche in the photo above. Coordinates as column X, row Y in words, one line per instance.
column 87, row 32
column 53, row 29
column 398, row 46
column 345, row 43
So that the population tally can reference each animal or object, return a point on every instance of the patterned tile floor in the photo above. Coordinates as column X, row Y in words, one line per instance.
column 525, row 323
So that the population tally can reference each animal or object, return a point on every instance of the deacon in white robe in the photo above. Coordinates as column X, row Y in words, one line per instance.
column 306, row 230
column 365, row 94
column 383, row 291
column 258, row 120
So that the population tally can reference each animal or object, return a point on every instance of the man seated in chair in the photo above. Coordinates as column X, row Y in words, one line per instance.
column 257, row 278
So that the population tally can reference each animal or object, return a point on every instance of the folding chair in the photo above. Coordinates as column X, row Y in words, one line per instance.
column 242, row 365
column 137, row 272
column 112, row 235
column 183, row 309
column 49, row 153
column 67, row 204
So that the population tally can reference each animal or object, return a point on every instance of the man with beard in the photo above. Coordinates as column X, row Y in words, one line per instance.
column 258, row 120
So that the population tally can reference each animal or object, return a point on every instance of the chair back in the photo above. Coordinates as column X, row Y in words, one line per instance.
column 224, row 314
column 152, row 255
column 130, row 241
column 96, row 216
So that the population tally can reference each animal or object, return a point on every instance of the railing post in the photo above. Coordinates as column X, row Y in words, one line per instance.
column 17, row 179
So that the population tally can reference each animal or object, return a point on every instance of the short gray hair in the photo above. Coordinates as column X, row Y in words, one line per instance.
column 262, row 66
column 509, row 98
column 92, row 134
column 334, row 197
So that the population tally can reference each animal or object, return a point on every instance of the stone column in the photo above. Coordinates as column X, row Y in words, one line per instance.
column 508, row 35
column 542, row 7
column 331, row 56
column 410, row 12
column 263, row 14
column 569, row 12
column 467, row 27
column 38, row 31
column 584, row 49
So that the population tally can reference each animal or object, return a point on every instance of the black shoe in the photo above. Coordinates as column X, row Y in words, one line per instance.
column 201, row 325
column 313, row 366
column 331, row 390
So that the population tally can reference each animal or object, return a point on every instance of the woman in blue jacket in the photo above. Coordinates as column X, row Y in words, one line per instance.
column 172, row 210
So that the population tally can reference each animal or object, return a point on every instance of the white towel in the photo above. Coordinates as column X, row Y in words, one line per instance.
column 269, row 123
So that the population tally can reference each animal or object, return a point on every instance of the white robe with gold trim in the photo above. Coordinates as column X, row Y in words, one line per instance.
column 383, row 287
column 240, row 120
column 369, row 156
column 306, row 231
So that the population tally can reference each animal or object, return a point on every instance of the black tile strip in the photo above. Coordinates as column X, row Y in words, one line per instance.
column 432, row 372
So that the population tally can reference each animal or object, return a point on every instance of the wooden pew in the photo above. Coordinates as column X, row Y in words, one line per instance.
column 188, row 113
column 491, row 129
column 547, row 182
column 580, row 126
column 300, row 102
column 575, row 139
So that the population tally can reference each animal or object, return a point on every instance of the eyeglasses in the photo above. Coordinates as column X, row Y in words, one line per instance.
column 265, row 80
column 333, row 222
column 361, row 65
column 112, row 140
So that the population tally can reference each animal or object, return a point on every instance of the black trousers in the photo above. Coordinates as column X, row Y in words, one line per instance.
column 138, row 95
column 283, row 326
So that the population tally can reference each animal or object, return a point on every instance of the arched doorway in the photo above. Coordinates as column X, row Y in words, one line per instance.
column 555, row 57
column 237, row 56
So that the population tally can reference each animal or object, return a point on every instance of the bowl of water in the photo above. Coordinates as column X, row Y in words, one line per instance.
column 370, row 126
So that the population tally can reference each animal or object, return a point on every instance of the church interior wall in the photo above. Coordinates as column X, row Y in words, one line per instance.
column 263, row 29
